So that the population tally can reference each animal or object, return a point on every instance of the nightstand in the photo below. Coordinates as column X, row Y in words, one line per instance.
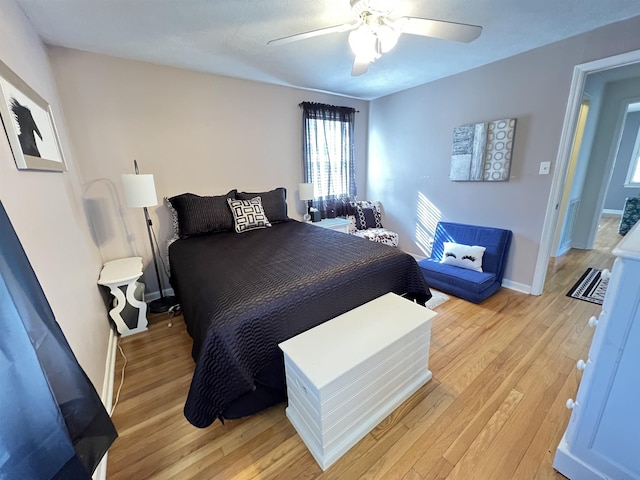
column 129, row 310
column 337, row 224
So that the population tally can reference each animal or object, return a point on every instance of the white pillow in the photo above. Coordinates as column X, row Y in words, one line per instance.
column 465, row 256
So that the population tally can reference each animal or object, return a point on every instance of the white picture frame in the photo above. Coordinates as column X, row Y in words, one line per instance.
column 29, row 125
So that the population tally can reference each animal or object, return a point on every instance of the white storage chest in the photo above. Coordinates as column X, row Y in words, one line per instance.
column 346, row 375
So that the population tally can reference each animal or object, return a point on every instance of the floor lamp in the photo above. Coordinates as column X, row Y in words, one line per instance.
column 140, row 192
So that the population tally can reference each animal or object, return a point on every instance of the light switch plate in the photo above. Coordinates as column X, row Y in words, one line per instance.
column 545, row 168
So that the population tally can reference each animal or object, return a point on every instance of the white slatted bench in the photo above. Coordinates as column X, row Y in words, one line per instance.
column 347, row 374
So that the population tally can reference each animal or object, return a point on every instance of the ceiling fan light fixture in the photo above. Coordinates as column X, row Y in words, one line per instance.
column 364, row 43
column 382, row 7
column 388, row 37
column 374, row 32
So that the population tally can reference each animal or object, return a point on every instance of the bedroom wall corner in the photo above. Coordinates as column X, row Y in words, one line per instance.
column 47, row 212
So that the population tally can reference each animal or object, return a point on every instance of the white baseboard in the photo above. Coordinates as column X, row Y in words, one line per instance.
column 562, row 249
column 612, row 212
column 101, row 470
column 107, row 393
column 416, row 256
column 109, row 370
column 517, row 286
column 151, row 296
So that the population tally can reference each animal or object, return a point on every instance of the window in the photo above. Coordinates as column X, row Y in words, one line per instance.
column 633, row 176
column 328, row 155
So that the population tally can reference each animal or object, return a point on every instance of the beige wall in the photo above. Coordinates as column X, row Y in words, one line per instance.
column 195, row 132
column 411, row 133
column 47, row 214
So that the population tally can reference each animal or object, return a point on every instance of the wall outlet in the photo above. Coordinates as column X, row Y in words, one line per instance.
column 545, row 168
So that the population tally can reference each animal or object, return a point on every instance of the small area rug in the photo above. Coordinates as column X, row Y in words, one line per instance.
column 591, row 287
column 436, row 300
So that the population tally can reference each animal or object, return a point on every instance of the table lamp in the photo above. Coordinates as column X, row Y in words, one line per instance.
column 306, row 195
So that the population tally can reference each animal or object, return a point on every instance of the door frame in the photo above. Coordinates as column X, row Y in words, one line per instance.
column 580, row 73
column 561, row 225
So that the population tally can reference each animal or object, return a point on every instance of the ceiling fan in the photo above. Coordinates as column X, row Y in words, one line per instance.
column 374, row 33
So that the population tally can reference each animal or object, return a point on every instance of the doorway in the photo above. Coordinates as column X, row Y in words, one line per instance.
column 570, row 203
column 606, row 66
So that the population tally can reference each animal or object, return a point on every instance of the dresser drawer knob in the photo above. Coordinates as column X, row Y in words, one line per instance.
column 593, row 322
column 570, row 404
column 581, row 365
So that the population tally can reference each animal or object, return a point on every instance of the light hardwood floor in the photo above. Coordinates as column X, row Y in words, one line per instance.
column 494, row 409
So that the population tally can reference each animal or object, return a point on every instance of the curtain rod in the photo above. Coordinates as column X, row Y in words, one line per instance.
column 357, row 111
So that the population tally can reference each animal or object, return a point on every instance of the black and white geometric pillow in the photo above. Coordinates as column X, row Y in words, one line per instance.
column 368, row 217
column 248, row 214
column 377, row 211
column 367, row 214
column 175, row 224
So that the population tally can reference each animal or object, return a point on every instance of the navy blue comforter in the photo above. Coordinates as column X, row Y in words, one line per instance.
column 243, row 294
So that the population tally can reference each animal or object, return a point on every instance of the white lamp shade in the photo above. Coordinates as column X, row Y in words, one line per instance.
column 139, row 190
column 306, row 191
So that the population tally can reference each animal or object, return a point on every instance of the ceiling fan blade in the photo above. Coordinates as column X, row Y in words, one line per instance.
column 360, row 66
column 426, row 27
column 345, row 27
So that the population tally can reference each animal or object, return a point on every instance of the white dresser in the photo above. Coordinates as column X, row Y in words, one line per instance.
column 602, row 440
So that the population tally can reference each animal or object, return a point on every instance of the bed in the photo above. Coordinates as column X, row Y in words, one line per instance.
column 242, row 294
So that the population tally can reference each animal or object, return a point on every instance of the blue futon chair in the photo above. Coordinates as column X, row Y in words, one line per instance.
column 461, row 282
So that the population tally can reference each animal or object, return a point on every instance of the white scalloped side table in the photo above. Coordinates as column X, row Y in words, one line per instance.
column 126, row 272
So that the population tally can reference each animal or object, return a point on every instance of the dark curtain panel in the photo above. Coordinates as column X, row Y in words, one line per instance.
column 52, row 422
column 328, row 156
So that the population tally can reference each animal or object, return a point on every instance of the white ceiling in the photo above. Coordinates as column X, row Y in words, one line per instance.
column 230, row 37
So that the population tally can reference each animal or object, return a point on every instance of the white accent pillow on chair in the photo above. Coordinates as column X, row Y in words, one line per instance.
column 464, row 256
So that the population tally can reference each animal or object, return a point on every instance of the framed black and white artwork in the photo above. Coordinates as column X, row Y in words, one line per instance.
column 28, row 123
